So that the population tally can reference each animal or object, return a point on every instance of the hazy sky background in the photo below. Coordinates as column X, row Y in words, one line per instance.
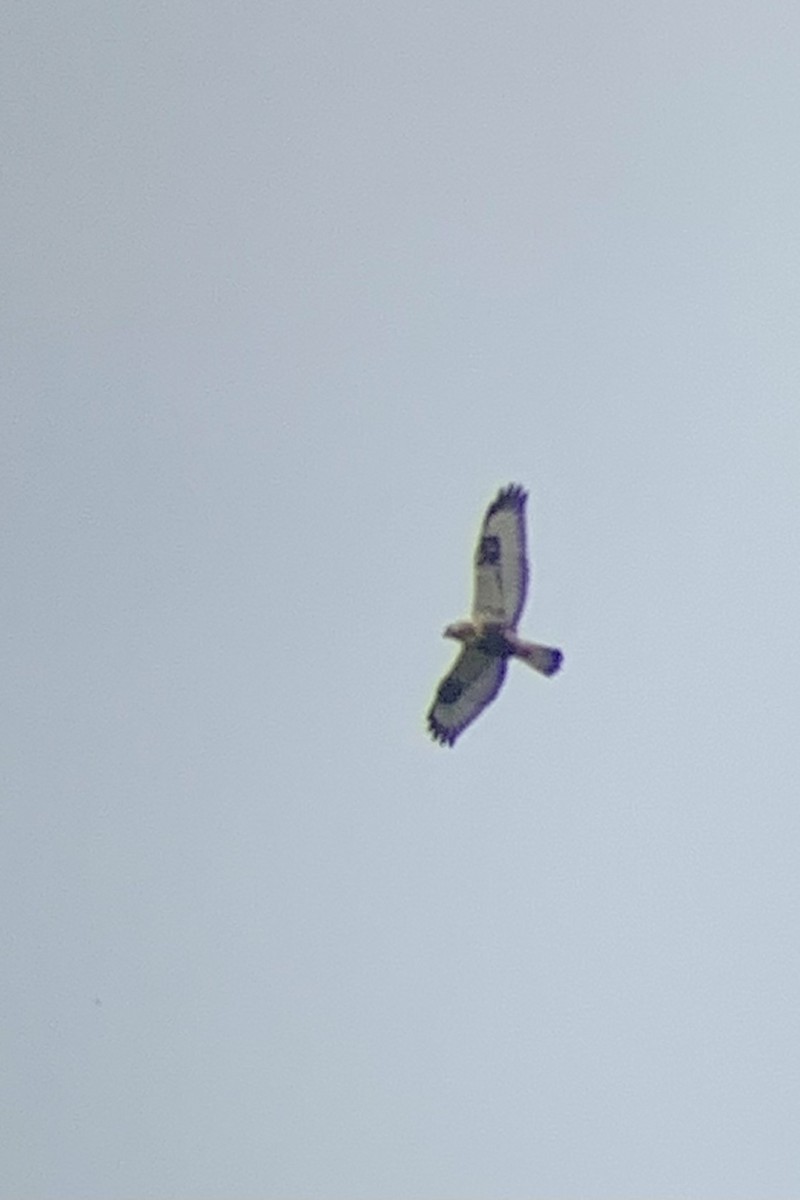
column 289, row 290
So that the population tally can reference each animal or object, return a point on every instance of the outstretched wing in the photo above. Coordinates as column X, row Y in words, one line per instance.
column 501, row 564
column 473, row 682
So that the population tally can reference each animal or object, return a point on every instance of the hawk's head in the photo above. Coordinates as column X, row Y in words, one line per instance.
column 460, row 631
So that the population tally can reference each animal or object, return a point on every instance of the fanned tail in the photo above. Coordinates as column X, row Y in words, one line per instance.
column 544, row 659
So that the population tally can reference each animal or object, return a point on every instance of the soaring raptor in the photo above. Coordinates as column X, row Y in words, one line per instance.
column 490, row 638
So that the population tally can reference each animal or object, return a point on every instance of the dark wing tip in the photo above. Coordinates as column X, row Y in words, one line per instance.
column 513, row 497
column 445, row 737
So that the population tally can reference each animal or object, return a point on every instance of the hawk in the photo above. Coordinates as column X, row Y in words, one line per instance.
column 490, row 638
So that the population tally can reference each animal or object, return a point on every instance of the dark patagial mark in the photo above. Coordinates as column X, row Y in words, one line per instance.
column 489, row 551
column 449, row 690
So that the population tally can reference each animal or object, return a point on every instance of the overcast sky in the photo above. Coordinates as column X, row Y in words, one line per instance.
column 289, row 290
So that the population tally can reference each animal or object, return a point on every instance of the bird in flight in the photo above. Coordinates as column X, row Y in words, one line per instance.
column 490, row 638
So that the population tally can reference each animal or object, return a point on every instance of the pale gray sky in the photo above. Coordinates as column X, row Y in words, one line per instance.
column 289, row 291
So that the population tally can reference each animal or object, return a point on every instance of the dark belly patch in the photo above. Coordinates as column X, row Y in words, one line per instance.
column 494, row 642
